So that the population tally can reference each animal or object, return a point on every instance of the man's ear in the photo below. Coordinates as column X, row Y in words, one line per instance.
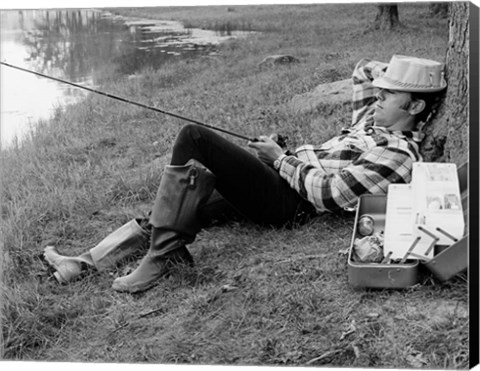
column 417, row 106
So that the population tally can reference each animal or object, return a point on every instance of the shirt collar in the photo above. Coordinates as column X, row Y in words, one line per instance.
column 416, row 136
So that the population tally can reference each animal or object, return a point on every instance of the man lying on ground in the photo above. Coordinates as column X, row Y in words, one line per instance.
column 209, row 176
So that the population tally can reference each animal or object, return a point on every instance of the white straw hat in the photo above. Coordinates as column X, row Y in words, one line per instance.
column 412, row 74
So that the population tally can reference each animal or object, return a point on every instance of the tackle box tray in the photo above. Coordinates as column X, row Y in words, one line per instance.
column 446, row 263
column 451, row 261
column 378, row 275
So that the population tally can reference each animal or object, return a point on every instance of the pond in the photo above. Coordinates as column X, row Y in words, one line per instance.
column 84, row 47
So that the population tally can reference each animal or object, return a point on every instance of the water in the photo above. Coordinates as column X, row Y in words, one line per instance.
column 84, row 47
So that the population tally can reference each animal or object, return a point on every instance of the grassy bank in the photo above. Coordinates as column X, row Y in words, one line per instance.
column 256, row 296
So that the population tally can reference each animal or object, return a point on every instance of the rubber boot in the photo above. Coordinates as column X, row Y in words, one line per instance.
column 126, row 240
column 175, row 219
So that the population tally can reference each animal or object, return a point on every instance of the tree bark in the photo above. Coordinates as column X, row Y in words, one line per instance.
column 387, row 17
column 447, row 135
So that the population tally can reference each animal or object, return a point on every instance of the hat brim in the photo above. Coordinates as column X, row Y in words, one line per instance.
column 385, row 84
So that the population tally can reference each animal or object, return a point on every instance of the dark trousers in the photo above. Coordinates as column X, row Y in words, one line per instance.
column 251, row 187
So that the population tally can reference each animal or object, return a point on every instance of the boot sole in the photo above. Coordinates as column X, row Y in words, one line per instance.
column 137, row 289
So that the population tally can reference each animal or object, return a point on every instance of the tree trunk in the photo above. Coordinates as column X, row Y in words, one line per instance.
column 387, row 17
column 447, row 135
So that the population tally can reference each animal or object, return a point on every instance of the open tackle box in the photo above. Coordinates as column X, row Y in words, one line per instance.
column 445, row 264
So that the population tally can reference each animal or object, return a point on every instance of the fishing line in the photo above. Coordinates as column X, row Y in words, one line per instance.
column 134, row 103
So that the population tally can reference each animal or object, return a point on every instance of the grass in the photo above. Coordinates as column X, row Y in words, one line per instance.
column 256, row 296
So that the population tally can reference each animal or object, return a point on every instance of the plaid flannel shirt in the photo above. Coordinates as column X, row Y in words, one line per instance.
column 363, row 159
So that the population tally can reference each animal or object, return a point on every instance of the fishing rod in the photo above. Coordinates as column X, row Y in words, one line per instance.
column 134, row 103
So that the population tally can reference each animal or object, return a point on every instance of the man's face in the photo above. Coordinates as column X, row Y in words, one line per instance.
column 391, row 109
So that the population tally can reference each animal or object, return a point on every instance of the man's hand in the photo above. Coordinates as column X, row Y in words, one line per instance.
column 267, row 149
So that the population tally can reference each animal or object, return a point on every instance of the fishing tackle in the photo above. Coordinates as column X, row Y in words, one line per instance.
column 281, row 139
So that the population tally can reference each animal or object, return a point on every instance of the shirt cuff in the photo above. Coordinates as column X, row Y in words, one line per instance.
column 278, row 161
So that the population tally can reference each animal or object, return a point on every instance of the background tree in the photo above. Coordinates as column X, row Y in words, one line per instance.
column 447, row 134
column 439, row 9
column 387, row 17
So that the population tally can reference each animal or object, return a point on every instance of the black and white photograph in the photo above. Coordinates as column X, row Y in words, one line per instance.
column 239, row 184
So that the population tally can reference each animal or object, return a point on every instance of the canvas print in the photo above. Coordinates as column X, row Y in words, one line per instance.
column 208, row 185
